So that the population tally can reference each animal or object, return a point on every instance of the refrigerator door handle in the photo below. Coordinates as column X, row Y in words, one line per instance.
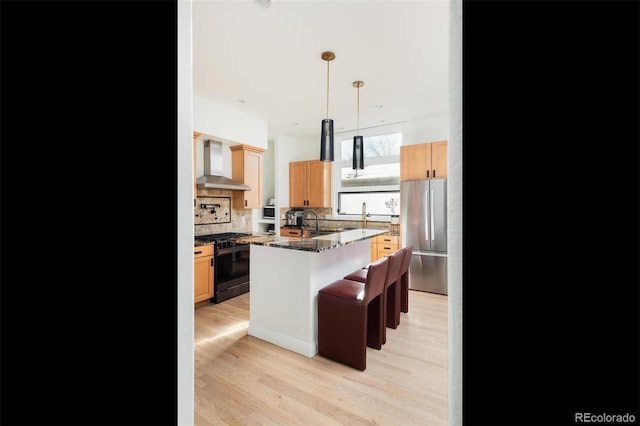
column 433, row 225
column 429, row 253
column 426, row 215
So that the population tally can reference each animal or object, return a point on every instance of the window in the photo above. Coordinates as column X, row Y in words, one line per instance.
column 381, row 161
column 375, row 203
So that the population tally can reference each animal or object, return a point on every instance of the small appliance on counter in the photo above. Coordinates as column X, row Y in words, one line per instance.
column 291, row 218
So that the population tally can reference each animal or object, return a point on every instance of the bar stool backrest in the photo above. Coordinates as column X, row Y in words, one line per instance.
column 375, row 283
column 408, row 250
column 395, row 267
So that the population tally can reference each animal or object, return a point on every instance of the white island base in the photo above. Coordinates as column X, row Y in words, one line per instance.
column 284, row 290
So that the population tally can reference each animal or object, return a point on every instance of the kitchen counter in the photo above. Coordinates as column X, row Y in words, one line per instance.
column 199, row 243
column 314, row 244
column 286, row 274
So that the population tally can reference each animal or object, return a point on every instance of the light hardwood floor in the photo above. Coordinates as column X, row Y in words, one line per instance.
column 242, row 380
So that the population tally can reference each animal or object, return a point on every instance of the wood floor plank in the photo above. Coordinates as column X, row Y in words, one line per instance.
column 243, row 380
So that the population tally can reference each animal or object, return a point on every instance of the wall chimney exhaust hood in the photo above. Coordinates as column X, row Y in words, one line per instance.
column 212, row 178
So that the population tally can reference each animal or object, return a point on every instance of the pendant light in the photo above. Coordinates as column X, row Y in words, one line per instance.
column 326, row 137
column 358, row 144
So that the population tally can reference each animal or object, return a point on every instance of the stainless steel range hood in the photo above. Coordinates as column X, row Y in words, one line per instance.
column 212, row 178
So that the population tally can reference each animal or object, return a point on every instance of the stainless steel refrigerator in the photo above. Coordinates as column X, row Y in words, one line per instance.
column 423, row 214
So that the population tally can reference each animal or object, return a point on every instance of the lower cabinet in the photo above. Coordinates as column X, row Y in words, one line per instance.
column 291, row 232
column 297, row 232
column 203, row 273
column 383, row 245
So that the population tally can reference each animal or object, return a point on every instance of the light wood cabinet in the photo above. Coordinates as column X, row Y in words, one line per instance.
column 423, row 161
column 203, row 273
column 383, row 245
column 246, row 167
column 374, row 249
column 296, row 232
column 290, row 232
column 310, row 183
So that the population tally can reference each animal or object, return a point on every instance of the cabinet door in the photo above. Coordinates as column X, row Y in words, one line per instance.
column 246, row 164
column 298, row 184
column 438, row 159
column 203, row 278
column 318, row 183
column 374, row 250
column 252, row 173
column 290, row 232
column 415, row 161
column 423, row 161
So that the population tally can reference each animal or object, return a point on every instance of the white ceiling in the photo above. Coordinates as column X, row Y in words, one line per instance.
column 271, row 58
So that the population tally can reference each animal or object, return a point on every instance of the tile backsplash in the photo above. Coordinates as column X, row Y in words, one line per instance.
column 213, row 210
column 228, row 218
column 324, row 223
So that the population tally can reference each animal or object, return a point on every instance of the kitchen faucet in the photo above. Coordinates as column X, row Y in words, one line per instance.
column 317, row 226
column 364, row 214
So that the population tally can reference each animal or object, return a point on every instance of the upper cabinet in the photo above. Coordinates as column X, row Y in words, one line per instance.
column 246, row 167
column 310, row 183
column 423, row 161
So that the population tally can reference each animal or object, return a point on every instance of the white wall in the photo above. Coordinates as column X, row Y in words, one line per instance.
column 454, row 217
column 268, row 178
column 185, row 218
column 227, row 124
column 426, row 130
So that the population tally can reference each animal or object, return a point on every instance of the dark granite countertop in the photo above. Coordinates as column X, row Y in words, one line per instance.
column 315, row 244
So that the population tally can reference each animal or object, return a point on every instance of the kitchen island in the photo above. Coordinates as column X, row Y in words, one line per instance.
column 285, row 275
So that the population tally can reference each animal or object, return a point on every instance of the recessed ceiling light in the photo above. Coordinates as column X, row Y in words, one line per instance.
column 263, row 3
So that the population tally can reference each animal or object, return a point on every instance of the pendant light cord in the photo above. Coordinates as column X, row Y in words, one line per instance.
column 358, row 120
column 328, row 90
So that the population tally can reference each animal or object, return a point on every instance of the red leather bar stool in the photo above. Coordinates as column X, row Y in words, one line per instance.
column 391, row 299
column 350, row 317
column 404, row 279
